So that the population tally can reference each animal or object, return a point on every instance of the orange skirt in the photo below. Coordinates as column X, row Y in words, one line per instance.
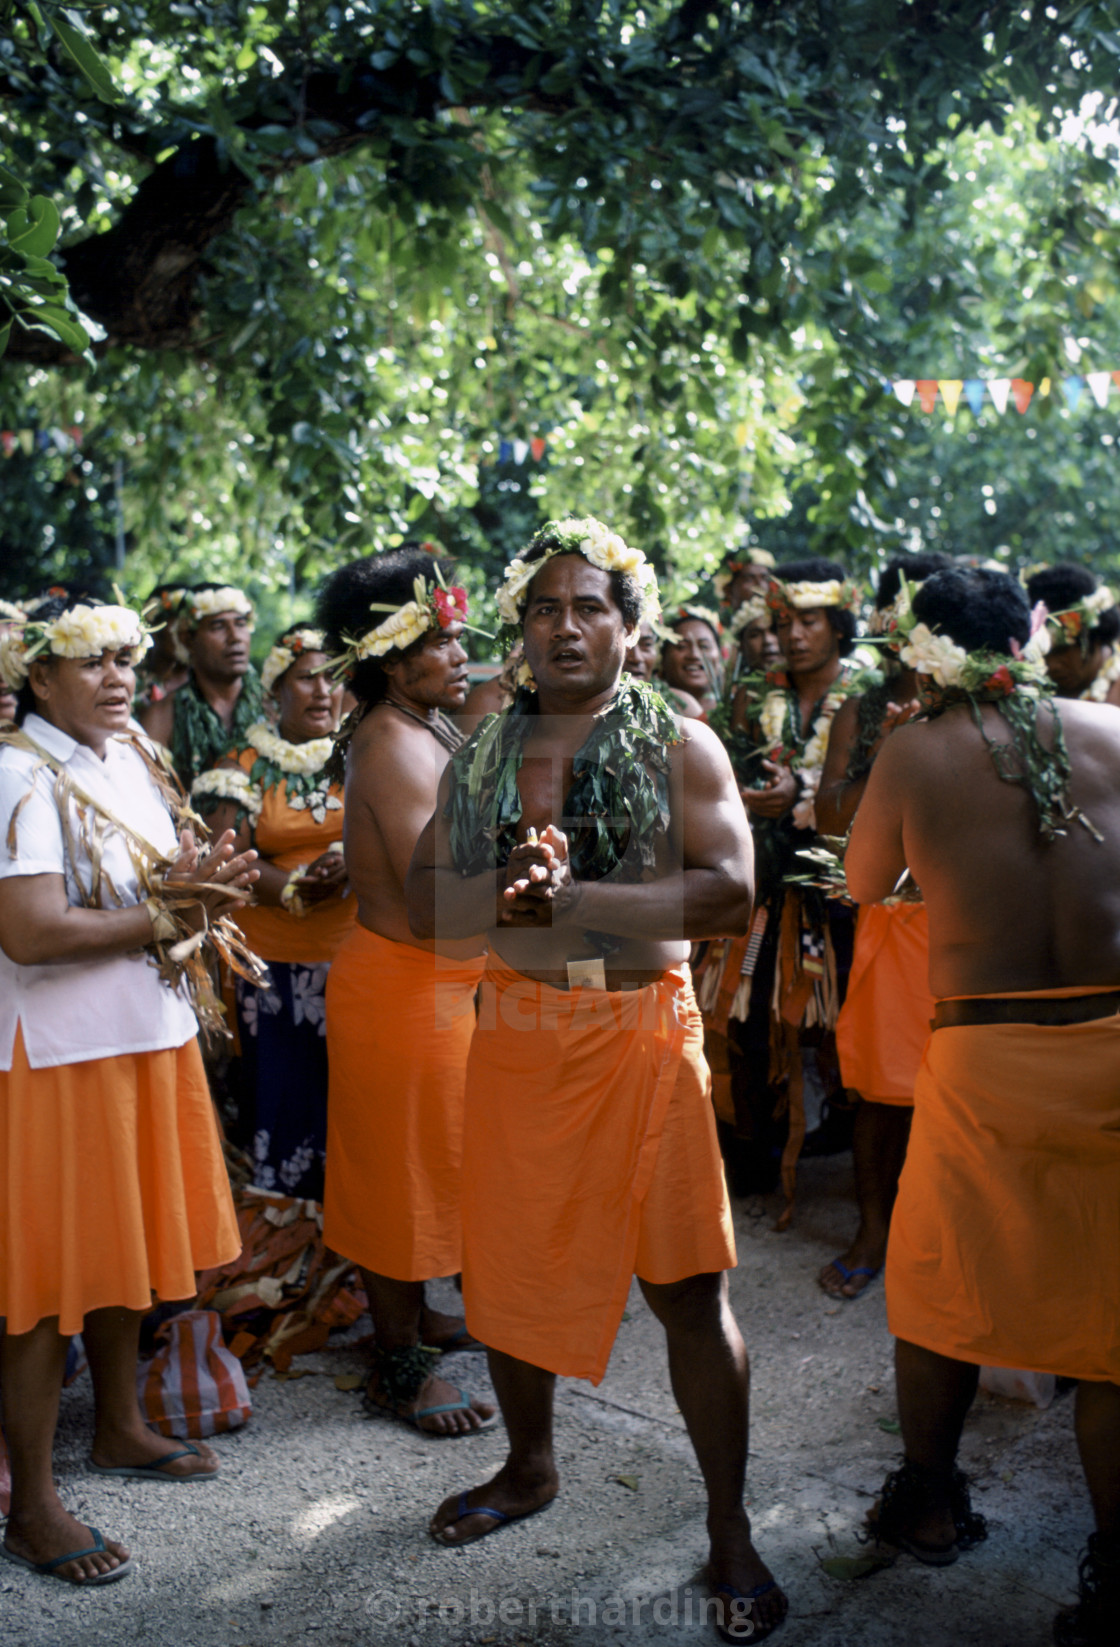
column 399, row 1025
column 1005, row 1241
column 112, row 1185
column 884, row 1023
column 590, row 1155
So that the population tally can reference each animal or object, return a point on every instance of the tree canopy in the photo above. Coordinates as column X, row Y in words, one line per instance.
column 347, row 267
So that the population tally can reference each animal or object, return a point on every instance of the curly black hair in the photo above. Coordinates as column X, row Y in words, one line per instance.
column 914, row 568
column 1062, row 586
column 981, row 610
column 816, row 569
column 342, row 609
column 624, row 588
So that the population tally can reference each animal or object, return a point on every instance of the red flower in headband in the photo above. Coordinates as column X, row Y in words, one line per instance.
column 1000, row 681
column 450, row 605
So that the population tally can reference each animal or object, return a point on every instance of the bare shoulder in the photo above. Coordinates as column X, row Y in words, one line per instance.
column 699, row 754
column 390, row 749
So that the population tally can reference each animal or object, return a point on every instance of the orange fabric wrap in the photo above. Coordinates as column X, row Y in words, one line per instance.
column 1005, row 1240
column 112, row 1185
column 589, row 1154
column 399, row 1025
column 291, row 840
column 883, row 1025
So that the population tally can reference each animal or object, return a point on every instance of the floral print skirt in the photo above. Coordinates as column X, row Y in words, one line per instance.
column 284, row 1046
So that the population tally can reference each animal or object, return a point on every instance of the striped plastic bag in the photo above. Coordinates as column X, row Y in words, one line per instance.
column 193, row 1386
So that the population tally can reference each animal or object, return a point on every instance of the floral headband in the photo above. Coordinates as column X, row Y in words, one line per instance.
column 207, row 603
column 1075, row 623
column 755, row 610
column 951, row 667
column 294, row 644
column 599, row 546
column 689, row 613
column 805, row 596
column 82, row 632
column 433, row 606
column 730, row 569
column 169, row 606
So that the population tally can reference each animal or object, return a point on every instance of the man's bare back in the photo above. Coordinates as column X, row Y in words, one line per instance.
column 1008, row 912
column 392, row 780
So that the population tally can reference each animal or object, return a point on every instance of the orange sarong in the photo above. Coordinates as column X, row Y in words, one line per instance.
column 112, row 1185
column 1005, row 1241
column 590, row 1155
column 884, row 1023
column 399, row 1024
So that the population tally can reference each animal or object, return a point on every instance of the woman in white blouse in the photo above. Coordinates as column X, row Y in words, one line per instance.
column 112, row 1183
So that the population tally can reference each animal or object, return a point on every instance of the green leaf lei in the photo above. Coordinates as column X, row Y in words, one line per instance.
column 198, row 738
column 616, row 808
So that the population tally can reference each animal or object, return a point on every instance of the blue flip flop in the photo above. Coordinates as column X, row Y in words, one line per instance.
column 850, row 1274
column 377, row 1409
column 49, row 1569
column 746, row 1629
column 154, row 1470
column 501, row 1519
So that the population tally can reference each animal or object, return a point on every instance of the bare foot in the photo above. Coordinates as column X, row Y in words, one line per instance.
column 52, row 1532
column 738, row 1576
column 848, row 1275
column 140, row 1446
column 511, row 1494
column 446, row 1332
column 433, row 1392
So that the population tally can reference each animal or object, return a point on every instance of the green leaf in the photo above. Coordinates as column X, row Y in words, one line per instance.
column 5, row 333
column 12, row 191
column 74, row 42
column 891, row 1425
column 852, row 1567
column 42, row 228
column 630, row 1481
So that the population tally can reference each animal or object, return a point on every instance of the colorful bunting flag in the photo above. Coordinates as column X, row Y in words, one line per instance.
column 950, row 392
column 999, row 388
column 1021, row 391
column 974, row 394
column 905, row 390
column 1099, row 385
column 1071, row 388
column 927, row 392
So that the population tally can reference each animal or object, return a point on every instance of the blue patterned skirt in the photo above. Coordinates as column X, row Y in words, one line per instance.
column 284, row 1047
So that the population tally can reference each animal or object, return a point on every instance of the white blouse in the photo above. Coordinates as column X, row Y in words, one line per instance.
column 71, row 1011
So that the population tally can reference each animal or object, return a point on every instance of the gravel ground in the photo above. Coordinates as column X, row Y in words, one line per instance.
column 317, row 1526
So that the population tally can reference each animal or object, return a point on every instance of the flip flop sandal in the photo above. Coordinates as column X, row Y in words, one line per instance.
column 379, row 1409
column 501, row 1519
column 49, row 1569
column 461, row 1342
column 154, row 1470
column 747, row 1629
column 849, row 1275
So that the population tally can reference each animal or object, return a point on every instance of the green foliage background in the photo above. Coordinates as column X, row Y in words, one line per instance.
column 691, row 245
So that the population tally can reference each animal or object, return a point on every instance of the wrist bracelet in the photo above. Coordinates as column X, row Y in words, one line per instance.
column 289, row 896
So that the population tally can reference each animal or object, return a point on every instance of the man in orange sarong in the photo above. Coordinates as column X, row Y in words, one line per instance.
column 1005, row 807
column 884, row 1022
column 399, row 1014
column 593, row 833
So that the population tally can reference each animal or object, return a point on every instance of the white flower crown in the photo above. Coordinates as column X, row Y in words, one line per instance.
column 751, row 611
column 81, row 632
column 207, row 603
column 599, row 546
column 285, row 653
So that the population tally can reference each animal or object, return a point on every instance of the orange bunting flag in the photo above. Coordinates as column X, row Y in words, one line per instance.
column 1022, row 392
column 927, row 392
column 536, row 446
column 1116, row 379
column 950, row 392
